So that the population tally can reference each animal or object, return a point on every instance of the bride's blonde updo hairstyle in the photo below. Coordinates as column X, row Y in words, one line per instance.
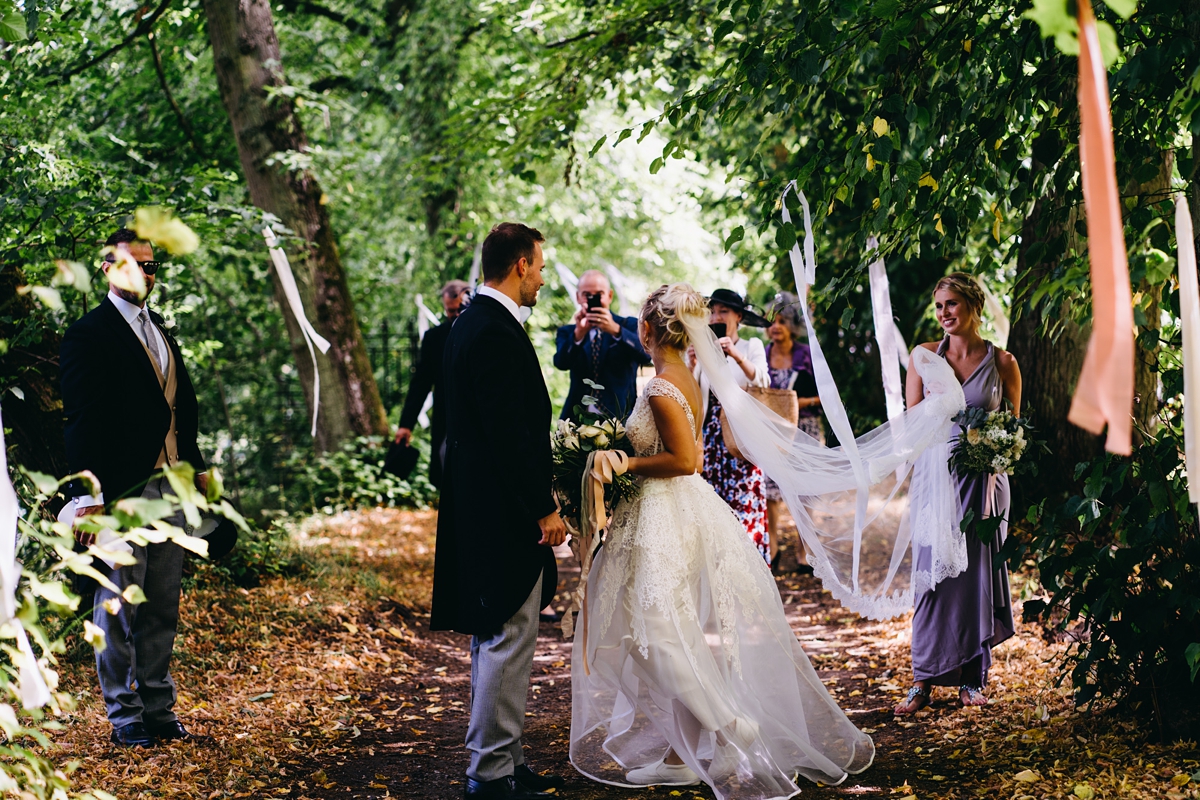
column 966, row 287
column 665, row 310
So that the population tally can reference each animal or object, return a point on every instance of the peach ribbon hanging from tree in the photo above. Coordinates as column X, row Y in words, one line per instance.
column 1104, row 394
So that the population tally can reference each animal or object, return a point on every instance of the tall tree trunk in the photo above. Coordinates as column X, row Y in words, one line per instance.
column 1049, row 348
column 247, row 62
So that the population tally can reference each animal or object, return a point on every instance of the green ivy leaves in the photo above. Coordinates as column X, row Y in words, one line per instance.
column 1054, row 19
column 735, row 236
column 12, row 22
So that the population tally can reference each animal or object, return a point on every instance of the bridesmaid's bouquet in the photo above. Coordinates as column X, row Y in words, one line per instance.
column 991, row 443
column 572, row 443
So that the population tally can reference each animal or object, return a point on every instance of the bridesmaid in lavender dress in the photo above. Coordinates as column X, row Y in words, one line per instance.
column 956, row 625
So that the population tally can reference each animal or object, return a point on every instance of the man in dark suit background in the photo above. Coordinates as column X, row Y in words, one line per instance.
column 428, row 377
column 602, row 347
column 131, row 410
column 498, row 520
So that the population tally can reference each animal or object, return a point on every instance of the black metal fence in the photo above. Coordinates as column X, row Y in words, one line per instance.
column 393, row 355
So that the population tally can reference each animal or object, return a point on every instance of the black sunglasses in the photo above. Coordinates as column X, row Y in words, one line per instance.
column 148, row 267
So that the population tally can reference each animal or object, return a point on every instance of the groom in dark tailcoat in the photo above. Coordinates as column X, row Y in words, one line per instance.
column 498, row 522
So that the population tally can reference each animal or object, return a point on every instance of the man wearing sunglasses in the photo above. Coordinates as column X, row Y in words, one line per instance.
column 428, row 377
column 130, row 411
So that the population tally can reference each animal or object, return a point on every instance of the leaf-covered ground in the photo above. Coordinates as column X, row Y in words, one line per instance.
column 330, row 685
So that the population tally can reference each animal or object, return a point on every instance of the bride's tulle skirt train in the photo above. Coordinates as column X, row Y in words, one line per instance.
column 688, row 648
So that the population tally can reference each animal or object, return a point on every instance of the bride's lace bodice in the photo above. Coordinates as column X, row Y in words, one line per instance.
column 641, row 429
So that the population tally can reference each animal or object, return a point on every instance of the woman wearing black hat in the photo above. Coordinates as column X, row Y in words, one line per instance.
column 738, row 482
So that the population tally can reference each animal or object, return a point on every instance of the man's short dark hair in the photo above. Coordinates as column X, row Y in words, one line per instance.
column 507, row 244
column 122, row 236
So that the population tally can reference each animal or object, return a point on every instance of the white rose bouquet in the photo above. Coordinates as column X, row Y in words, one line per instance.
column 571, row 443
column 991, row 443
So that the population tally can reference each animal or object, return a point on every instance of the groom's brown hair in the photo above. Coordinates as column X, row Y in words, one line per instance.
column 507, row 244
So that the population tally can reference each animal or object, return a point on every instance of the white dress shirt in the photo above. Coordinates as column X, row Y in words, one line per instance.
column 129, row 312
column 505, row 301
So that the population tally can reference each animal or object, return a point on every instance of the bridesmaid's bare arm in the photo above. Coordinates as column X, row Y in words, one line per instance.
column 1010, row 375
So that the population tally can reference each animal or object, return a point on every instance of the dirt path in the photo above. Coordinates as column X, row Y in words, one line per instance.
column 417, row 750
column 412, row 735
column 328, row 685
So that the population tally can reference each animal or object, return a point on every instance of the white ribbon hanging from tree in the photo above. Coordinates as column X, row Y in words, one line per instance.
column 631, row 292
column 804, row 269
column 284, row 270
column 32, row 687
column 476, row 264
column 999, row 318
column 885, row 335
column 902, row 353
column 425, row 318
column 567, row 277
column 619, row 282
column 1189, row 316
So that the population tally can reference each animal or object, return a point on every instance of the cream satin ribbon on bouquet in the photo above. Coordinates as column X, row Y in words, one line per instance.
column 286, row 279
column 602, row 468
column 1189, row 317
column 1104, row 394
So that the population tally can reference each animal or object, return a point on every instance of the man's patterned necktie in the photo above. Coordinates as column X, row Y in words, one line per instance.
column 596, row 356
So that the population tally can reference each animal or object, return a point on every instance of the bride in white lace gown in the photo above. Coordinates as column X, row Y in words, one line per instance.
column 684, row 668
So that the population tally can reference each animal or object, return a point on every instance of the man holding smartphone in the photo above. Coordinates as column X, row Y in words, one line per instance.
column 601, row 347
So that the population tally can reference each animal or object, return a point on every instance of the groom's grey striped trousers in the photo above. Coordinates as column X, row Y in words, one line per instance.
column 500, row 668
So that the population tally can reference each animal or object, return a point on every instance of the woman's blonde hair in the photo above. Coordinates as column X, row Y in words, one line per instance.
column 966, row 287
column 665, row 310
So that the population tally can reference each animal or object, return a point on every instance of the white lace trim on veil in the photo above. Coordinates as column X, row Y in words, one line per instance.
column 855, row 505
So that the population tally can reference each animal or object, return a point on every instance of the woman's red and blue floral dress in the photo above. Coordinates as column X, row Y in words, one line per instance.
column 737, row 481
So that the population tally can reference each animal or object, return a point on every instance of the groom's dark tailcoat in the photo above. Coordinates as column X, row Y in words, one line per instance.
column 116, row 414
column 497, row 474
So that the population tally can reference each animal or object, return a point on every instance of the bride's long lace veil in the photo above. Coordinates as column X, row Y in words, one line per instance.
column 859, row 506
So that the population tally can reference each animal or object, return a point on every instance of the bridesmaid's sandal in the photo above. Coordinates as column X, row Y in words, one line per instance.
column 922, row 698
column 972, row 696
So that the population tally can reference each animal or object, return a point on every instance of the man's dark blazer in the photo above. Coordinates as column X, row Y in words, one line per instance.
column 497, row 474
column 620, row 357
column 428, row 377
column 116, row 414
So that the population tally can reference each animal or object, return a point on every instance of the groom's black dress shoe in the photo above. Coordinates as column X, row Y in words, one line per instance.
column 528, row 779
column 500, row 789
column 174, row 731
column 132, row 735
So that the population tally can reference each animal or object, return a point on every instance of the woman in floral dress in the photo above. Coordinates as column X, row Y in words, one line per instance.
column 738, row 482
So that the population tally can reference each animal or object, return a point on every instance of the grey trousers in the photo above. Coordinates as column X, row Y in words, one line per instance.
column 134, row 668
column 500, row 669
